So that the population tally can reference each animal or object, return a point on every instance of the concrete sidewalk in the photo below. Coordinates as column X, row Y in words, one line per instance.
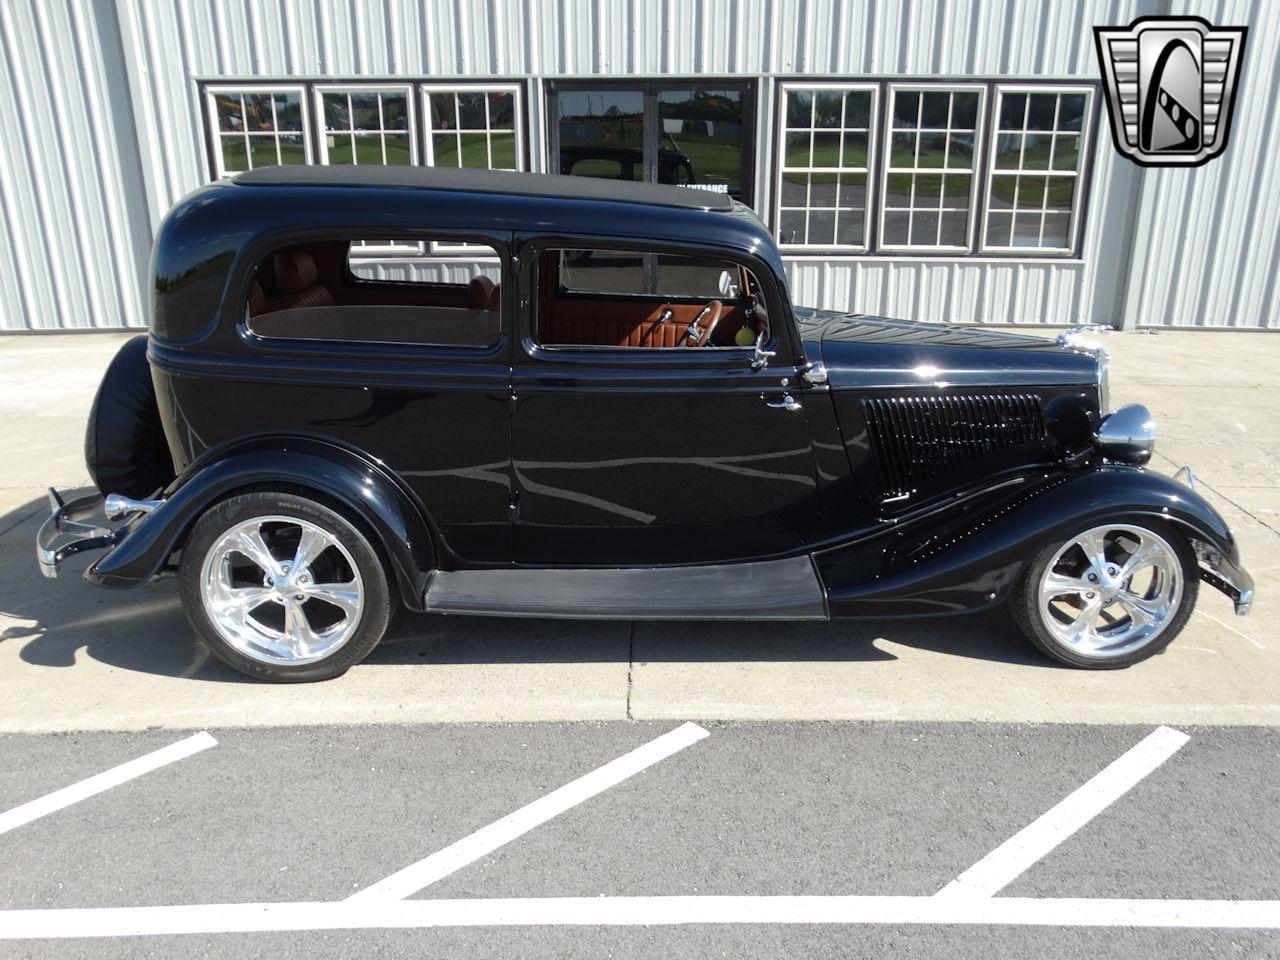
column 76, row 657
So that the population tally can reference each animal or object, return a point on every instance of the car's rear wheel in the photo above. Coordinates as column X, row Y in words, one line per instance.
column 1109, row 595
column 283, row 588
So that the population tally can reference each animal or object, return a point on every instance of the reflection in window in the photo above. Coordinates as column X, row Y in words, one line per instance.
column 1033, row 190
column 700, row 139
column 366, row 125
column 474, row 127
column 257, row 127
column 822, row 190
column 928, row 192
column 601, row 133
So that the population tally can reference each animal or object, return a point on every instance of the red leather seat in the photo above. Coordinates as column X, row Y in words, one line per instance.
column 296, row 282
column 483, row 294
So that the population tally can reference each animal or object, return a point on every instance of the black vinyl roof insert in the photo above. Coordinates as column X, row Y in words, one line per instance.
column 487, row 181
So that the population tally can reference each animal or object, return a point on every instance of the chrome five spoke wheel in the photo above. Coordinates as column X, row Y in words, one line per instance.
column 281, row 590
column 1111, row 590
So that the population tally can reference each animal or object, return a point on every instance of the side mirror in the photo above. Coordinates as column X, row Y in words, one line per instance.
column 729, row 285
column 761, row 358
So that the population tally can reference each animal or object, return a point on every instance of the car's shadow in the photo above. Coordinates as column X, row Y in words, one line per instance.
column 144, row 629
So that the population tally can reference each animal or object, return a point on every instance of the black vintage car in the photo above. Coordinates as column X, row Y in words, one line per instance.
column 519, row 395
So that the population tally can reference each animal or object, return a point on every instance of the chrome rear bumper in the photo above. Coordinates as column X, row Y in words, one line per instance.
column 72, row 527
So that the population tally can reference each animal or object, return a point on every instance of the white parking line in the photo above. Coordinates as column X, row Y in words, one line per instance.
column 59, row 799
column 1008, row 861
column 484, row 841
column 634, row 911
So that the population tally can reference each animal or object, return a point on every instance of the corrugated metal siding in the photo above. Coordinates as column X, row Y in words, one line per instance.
column 74, row 192
column 72, row 251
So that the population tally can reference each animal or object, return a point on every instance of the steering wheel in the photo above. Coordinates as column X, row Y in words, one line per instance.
column 697, row 336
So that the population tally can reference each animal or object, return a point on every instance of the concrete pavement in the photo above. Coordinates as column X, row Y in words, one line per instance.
column 73, row 657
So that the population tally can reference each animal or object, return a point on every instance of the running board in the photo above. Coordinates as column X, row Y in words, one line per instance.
column 766, row 590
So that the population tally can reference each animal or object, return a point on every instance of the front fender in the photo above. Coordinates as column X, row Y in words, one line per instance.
column 299, row 464
column 976, row 562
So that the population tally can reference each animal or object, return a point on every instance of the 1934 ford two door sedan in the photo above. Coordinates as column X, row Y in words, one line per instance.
column 509, row 394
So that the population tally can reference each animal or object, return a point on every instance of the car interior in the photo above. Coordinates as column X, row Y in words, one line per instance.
column 309, row 291
column 586, row 298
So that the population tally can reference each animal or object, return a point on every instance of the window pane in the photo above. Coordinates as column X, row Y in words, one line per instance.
column 234, row 157
column 444, row 149
column 444, row 115
column 791, row 226
column 799, row 108
column 1071, row 107
column 1031, row 192
column 796, row 150
column 502, row 110
column 257, row 108
column 288, row 111
column 956, row 189
column 830, row 109
column 701, row 138
column 955, row 229
column 1013, row 108
column 896, row 225
column 1035, row 151
column 853, row 190
column 933, row 150
column 906, row 106
column 928, row 191
column 1002, row 191
column 1057, row 228
column 336, row 114
column 855, row 150
column 1040, row 111
column 504, row 151
column 924, row 228
column 230, row 116
column 339, row 149
column 262, row 151
column 826, row 149
column 369, row 148
column 1060, row 193
column 898, row 190
column 1026, row 229
column 398, row 149
column 1008, row 151
column 601, row 133
column 475, row 150
column 822, row 190
column 1066, row 151
column 795, row 189
column 395, row 111
column 292, row 149
column 851, row 228
column 602, row 271
column 903, row 151
column 857, row 109
column 934, row 110
column 471, row 114
column 999, row 226
column 964, row 111
column 364, row 111
column 690, row 276
column 960, row 150
column 822, row 227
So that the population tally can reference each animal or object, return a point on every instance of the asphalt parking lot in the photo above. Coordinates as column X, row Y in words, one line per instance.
column 849, row 773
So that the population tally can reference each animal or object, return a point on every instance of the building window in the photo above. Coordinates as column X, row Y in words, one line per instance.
column 257, row 127
column 474, row 127
column 909, row 168
column 366, row 125
column 824, row 173
column 928, row 192
column 1037, row 149
column 689, row 134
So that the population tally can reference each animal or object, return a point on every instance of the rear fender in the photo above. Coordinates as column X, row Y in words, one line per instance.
column 300, row 464
column 978, row 562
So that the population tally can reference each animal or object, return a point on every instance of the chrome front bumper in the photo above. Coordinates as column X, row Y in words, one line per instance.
column 72, row 527
column 1215, row 569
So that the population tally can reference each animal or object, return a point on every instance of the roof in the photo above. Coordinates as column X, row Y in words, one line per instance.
column 488, row 181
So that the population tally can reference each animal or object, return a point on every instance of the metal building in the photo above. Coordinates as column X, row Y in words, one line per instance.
column 936, row 159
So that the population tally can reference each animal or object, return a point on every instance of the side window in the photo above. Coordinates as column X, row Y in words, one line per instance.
column 639, row 299
column 333, row 291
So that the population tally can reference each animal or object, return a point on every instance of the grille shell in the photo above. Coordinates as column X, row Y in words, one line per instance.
column 920, row 442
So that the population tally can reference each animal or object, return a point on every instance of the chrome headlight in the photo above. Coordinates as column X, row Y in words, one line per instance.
column 1127, row 435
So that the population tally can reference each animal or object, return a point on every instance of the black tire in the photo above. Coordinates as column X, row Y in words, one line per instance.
column 124, row 444
column 378, row 596
column 1024, row 602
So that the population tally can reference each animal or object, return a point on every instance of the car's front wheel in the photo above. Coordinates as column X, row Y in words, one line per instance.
column 1109, row 595
column 283, row 588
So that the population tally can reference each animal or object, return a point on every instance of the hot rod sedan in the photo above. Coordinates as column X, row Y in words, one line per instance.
column 549, row 396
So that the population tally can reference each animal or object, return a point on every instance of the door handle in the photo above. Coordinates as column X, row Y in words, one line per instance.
column 788, row 402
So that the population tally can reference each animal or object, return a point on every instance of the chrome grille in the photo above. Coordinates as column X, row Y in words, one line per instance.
column 920, row 439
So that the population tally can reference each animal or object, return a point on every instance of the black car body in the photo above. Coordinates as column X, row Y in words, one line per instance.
column 838, row 466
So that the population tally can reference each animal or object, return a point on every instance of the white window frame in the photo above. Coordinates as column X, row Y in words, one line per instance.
column 426, row 89
column 873, row 154
column 215, row 133
column 371, row 249
column 1077, row 204
column 974, row 170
